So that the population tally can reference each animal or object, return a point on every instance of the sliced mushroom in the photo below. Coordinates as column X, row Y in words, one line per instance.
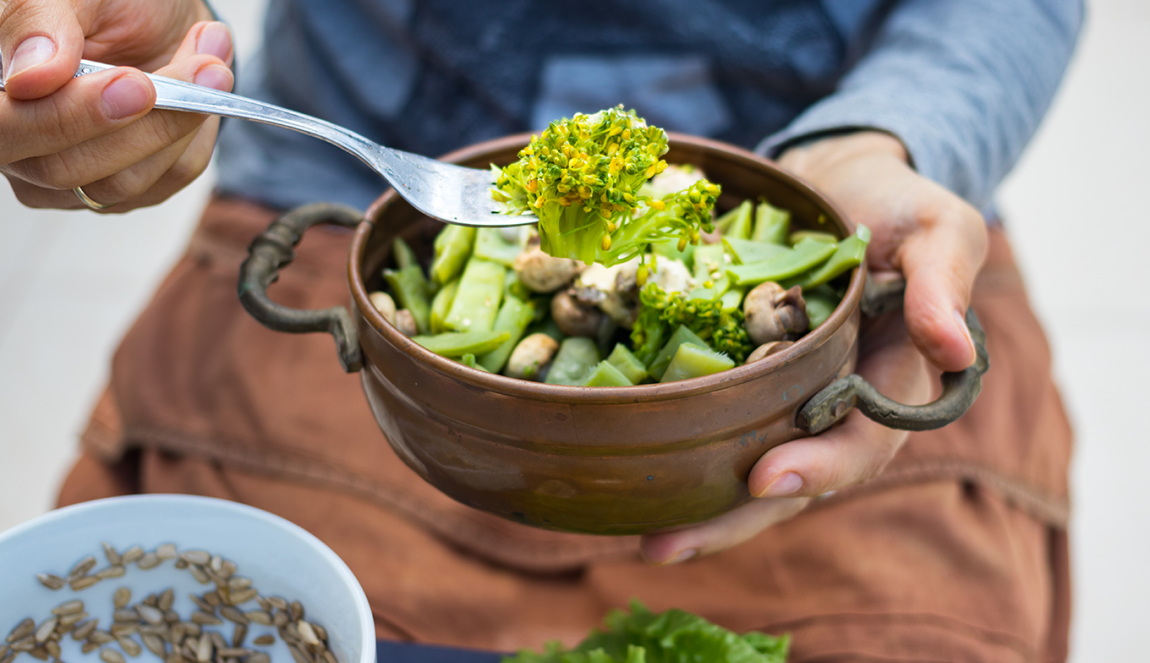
column 542, row 273
column 767, row 349
column 531, row 357
column 405, row 323
column 384, row 304
column 573, row 317
column 774, row 314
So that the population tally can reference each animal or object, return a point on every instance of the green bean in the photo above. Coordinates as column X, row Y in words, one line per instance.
column 746, row 251
column 490, row 245
column 606, row 375
column 411, row 291
column 404, row 255
column 663, row 359
column 692, row 361
column 627, row 363
column 771, row 224
column 513, row 318
column 477, row 301
column 800, row 235
column 739, row 225
column 457, row 344
column 576, row 358
column 453, row 247
column 848, row 254
column 821, row 302
column 441, row 306
column 808, row 254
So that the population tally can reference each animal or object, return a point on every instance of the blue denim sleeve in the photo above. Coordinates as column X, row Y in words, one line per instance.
column 962, row 83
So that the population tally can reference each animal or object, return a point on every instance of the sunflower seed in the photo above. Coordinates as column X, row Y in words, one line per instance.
column 199, row 557
column 281, row 618
column 125, row 615
column 235, row 652
column 239, row 634
column 122, row 629
column 296, row 611
column 259, row 657
column 111, row 656
column 320, row 632
column 68, row 622
column 24, row 629
column 165, row 599
column 45, row 629
column 27, row 643
column 306, row 633
column 101, row 637
column 217, row 640
column 149, row 561
column 111, row 572
column 201, row 617
column 243, row 596
column 181, row 563
column 239, row 582
column 39, row 653
column 199, row 574
column 227, row 569
column 266, row 639
column 192, row 628
column 52, row 648
column 111, row 554
column 88, row 646
column 154, row 629
column 155, row 644
column 131, row 555
column 150, row 614
column 83, row 582
column 329, row 657
column 3, row 651
column 130, row 646
column 234, row 614
column 174, row 657
column 299, row 655
column 171, row 616
column 68, row 608
column 82, row 567
column 50, row 581
column 259, row 617
column 84, row 629
column 166, row 551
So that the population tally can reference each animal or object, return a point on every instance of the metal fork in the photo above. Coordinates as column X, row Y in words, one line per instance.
column 450, row 193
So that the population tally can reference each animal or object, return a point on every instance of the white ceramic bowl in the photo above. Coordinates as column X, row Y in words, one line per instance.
column 281, row 559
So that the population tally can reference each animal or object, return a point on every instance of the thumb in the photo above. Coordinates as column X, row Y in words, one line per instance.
column 41, row 42
column 940, row 263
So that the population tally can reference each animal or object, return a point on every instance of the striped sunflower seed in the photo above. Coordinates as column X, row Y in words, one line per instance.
column 266, row 639
column 300, row 655
column 243, row 596
column 83, row 582
column 101, row 637
column 3, row 651
column 296, row 611
column 39, row 653
column 111, row 572
column 155, row 644
column 320, row 632
column 167, row 597
column 227, row 569
column 259, row 617
column 111, row 656
column 277, row 602
column 202, row 604
column 150, row 614
column 213, row 597
column 130, row 646
column 45, row 629
column 122, row 597
column 84, row 629
column 82, row 567
column 89, row 646
column 151, row 600
column 131, row 555
column 199, row 574
column 216, row 563
column 329, row 657
column 234, row 614
column 149, row 561
column 306, row 633
column 27, row 643
column 50, row 581
column 166, row 551
column 259, row 657
column 68, row 622
column 155, row 629
column 181, row 563
column 125, row 615
column 204, row 649
column 71, row 607
column 111, row 554
column 198, row 557
column 239, row 634
column 239, row 582
column 218, row 639
column 192, row 628
column 174, row 657
column 201, row 617
column 281, row 618
column 122, row 629
column 53, row 648
column 171, row 616
column 235, row 652
column 22, row 630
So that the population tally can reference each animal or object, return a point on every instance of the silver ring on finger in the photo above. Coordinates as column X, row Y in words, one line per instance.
column 87, row 200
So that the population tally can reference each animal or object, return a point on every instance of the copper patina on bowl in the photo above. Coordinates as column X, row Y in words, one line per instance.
column 608, row 460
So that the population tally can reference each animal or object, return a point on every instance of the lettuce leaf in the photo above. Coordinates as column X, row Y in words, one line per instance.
column 674, row 636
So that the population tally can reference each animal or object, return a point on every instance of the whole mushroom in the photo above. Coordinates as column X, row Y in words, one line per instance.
column 405, row 323
column 384, row 304
column 767, row 349
column 573, row 317
column 774, row 314
column 531, row 357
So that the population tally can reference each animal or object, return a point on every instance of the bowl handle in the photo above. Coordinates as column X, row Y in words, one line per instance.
column 959, row 389
column 274, row 249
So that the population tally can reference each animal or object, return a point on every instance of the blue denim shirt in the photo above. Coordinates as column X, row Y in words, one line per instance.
column 963, row 83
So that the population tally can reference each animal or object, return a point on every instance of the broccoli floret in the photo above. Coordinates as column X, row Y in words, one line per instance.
column 582, row 177
column 661, row 313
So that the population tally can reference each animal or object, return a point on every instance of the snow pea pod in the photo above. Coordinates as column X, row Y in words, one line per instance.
column 806, row 255
column 848, row 254
column 404, row 255
column 453, row 247
column 746, row 251
column 410, row 288
column 771, row 224
column 477, row 300
column 441, row 306
column 692, row 361
column 513, row 318
column 490, row 245
column 457, row 344
column 576, row 358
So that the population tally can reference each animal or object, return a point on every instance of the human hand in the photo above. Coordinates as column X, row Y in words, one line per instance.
column 938, row 243
column 96, row 132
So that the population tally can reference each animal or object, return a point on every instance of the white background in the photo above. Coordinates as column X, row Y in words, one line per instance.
column 70, row 283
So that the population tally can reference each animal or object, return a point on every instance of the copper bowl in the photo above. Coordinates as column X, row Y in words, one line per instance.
column 618, row 460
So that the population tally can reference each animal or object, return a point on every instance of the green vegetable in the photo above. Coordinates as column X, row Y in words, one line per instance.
column 662, row 360
column 821, row 302
column 513, row 318
column 627, row 364
column 692, row 361
column 740, row 227
column 490, row 245
column 674, row 636
column 453, row 247
column 582, row 176
column 469, row 361
column 606, row 375
column 513, row 287
column 411, row 292
column 476, row 302
column 404, row 256
column 817, row 235
column 771, row 224
column 731, row 299
column 457, row 344
column 848, row 254
column 709, row 262
column 441, row 306
column 661, row 312
column 746, row 251
column 806, row 255
column 576, row 358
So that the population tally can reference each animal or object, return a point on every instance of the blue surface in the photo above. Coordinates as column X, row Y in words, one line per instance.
column 406, row 652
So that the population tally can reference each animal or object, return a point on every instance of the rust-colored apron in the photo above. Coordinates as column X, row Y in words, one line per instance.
column 957, row 552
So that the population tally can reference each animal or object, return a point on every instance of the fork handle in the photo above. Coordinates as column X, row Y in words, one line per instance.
column 180, row 96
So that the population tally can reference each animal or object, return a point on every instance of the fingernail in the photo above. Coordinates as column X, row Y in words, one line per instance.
column 960, row 317
column 124, row 97
column 215, row 77
column 788, row 483
column 215, row 39
column 33, row 52
column 681, row 556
